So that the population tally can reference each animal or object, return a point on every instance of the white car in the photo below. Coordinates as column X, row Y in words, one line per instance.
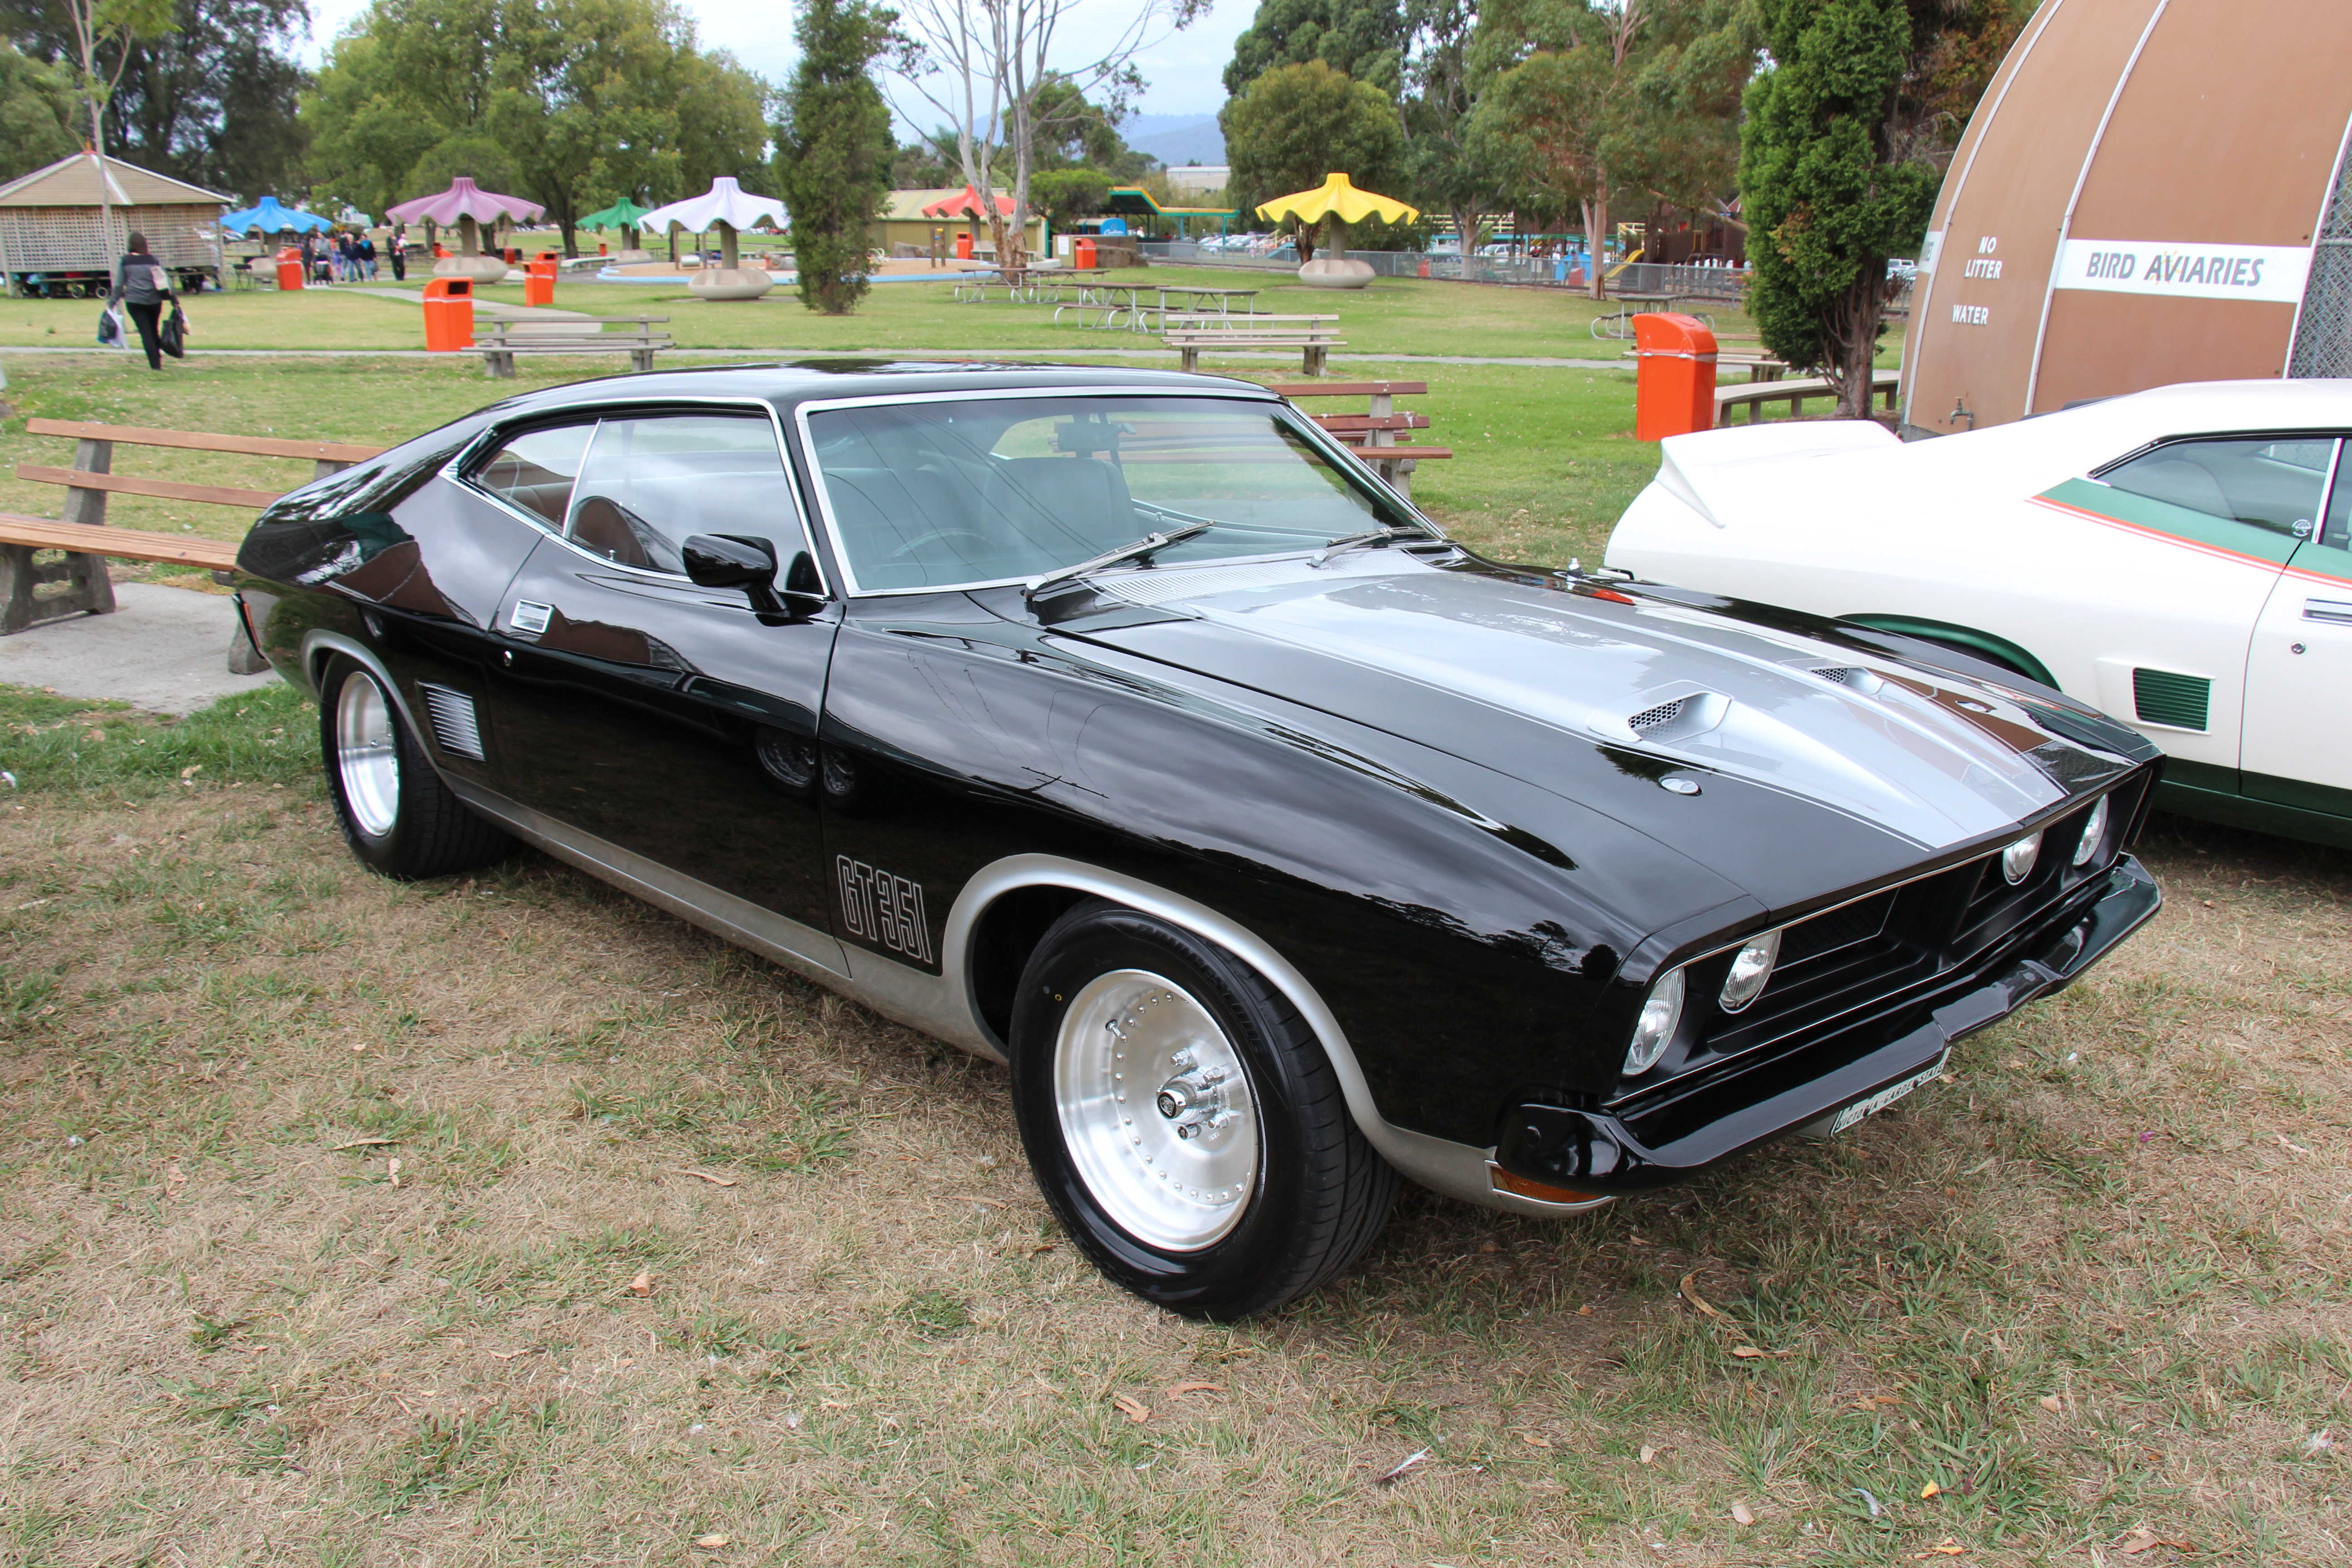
column 2180, row 557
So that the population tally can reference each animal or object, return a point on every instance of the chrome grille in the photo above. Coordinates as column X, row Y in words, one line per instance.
column 1651, row 717
column 455, row 725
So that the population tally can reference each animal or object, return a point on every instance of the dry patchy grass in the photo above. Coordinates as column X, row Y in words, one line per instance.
column 2094, row 1287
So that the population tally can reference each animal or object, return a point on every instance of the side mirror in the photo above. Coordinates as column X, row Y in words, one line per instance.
column 733, row 560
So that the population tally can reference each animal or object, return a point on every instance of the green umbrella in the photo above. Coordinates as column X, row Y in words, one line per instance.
column 621, row 214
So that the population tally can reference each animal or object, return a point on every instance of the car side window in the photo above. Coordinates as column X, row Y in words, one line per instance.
column 534, row 469
column 2337, row 531
column 2267, row 483
column 651, row 481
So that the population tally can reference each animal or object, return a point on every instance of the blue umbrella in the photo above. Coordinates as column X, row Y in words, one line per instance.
column 270, row 217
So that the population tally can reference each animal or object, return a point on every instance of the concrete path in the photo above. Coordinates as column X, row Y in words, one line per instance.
column 165, row 649
column 496, row 310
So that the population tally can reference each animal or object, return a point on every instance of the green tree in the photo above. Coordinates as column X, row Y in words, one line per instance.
column 572, row 103
column 1300, row 123
column 36, row 113
column 208, row 96
column 833, row 148
column 1828, row 196
column 1362, row 38
column 1066, row 196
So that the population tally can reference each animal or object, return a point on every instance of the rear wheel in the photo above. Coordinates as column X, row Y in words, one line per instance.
column 396, row 812
column 1184, row 1120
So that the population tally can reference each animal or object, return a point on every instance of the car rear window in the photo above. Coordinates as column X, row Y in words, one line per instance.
column 956, row 492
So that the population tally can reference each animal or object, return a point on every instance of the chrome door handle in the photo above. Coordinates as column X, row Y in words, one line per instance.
column 2338, row 610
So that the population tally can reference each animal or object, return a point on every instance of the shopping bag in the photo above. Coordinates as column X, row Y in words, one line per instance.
column 174, row 338
column 110, row 328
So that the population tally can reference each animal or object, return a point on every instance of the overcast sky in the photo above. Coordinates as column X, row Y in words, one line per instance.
column 1184, row 72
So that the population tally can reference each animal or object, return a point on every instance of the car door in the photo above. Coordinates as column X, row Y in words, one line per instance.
column 2208, row 523
column 2297, row 749
column 673, row 722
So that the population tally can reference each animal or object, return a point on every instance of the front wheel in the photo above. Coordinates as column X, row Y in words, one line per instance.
column 1183, row 1121
column 396, row 812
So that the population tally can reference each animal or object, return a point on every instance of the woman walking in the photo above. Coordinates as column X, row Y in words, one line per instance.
column 143, row 285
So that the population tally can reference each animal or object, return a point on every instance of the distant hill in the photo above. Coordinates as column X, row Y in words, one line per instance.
column 1176, row 140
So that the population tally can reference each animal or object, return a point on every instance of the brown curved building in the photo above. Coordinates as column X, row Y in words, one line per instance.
column 2151, row 191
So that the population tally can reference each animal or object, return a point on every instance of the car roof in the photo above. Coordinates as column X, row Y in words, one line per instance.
column 787, row 384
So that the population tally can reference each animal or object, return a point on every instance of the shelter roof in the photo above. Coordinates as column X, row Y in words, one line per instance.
column 1133, row 201
column 73, row 182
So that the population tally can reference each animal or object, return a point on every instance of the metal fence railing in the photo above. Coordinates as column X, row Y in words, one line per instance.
column 2322, row 334
column 1726, row 284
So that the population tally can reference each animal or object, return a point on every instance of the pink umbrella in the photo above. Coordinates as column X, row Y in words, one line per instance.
column 465, row 204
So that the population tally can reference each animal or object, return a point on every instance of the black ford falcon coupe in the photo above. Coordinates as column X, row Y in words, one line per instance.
column 1122, row 727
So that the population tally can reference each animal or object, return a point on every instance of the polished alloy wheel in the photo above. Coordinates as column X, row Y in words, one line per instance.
column 1157, row 1111
column 365, row 757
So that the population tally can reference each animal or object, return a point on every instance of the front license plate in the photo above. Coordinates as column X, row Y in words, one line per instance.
column 1885, row 1097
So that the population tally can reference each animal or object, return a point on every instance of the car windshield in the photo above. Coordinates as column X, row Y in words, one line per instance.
column 955, row 491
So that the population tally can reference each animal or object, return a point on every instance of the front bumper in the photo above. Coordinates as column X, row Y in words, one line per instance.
column 1594, row 1152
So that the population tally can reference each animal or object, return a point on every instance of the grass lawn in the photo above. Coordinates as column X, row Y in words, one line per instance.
column 1394, row 316
column 506, row 1220
column 1545, row 458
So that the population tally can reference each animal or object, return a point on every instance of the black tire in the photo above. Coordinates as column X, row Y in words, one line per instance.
column 1319, row 1193
column 415, row 828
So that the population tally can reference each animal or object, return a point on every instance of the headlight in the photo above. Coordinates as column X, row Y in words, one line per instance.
column 2094, row 833
column 2017, row 860
column 1655, row 1030
column 1750, row 971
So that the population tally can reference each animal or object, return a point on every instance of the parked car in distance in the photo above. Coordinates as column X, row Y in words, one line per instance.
column 1124, row 727
column 2180, row 558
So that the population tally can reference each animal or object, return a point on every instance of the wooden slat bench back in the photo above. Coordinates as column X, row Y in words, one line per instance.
column 82, row 533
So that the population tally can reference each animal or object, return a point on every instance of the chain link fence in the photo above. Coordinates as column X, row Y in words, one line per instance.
column 2322, row 335
column 1724, row 284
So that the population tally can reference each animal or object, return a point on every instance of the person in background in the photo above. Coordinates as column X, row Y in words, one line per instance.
column 400, row 253
column 143, row 285
column 364, row 249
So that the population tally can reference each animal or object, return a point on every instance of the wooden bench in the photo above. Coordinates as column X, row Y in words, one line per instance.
column 80, row 578
column 1795, row 392
column 1374, row 435
column 1316, row 336
column 498, row 341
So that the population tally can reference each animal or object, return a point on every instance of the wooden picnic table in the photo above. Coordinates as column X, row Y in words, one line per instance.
column 1113, row 299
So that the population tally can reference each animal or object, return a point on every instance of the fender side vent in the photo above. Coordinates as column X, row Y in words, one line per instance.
column 1842, row 674
column 2175, row 701
column 1651, row 717
column 451, row 714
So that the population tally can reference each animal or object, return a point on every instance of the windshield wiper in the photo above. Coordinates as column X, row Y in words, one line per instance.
column 1346, row 543
column 1142, row 550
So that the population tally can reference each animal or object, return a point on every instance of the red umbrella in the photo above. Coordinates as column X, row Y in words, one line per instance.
column 967, row 204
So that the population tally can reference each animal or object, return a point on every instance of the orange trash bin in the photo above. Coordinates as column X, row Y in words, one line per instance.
column 448, row 315
column 289, row 268
column 1673, row 361
column 963, row 246
column 538, row 279
column 1081, row 253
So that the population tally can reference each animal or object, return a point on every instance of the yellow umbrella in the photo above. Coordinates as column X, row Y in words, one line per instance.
column 1335, row 197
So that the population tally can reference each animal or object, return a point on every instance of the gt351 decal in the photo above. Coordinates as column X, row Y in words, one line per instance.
column 877, row 907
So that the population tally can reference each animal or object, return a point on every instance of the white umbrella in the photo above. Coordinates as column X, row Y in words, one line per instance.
column 726, row 207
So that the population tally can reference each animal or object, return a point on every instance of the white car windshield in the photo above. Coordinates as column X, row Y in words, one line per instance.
column 954, row 493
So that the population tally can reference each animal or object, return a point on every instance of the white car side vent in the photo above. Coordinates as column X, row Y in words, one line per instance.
column 454, row 726
column 1853, row 677
column 1680, row 717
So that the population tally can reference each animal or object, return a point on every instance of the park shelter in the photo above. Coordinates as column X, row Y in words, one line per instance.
column 1132, row 203
column 904, row 223
column 50, row 235
column 2151, row 191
